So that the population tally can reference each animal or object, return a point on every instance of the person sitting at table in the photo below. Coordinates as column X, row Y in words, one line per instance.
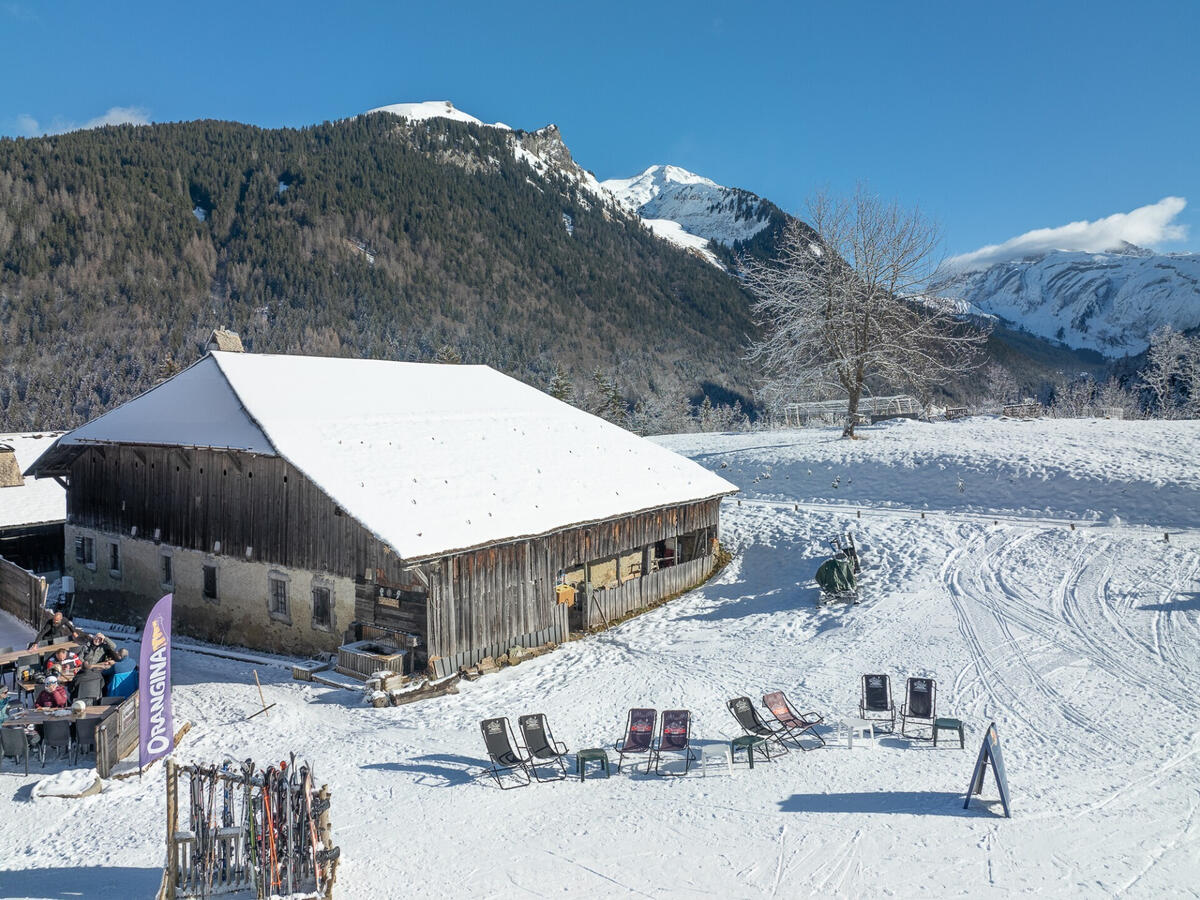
column 53, row 695
column 98, row 649
column 88, row 684
column 122, row 676
column 62, row 662
column 58, row 626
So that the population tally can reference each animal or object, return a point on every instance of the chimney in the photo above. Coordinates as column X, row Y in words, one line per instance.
column 223, row 339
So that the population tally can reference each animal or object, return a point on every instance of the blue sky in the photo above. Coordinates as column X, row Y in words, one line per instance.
column 996, row 119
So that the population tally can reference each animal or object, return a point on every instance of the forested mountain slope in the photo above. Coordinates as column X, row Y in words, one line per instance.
column 120, row 248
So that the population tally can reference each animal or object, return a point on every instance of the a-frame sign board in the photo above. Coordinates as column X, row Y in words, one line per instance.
column 989, row 753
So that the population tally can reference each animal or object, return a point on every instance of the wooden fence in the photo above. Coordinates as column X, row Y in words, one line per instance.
column 22, row 593
column 117, row 736
column 612, row 603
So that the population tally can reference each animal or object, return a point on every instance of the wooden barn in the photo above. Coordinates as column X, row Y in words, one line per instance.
column 294, row 503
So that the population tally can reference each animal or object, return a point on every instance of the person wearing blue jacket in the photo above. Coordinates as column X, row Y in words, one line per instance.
column 122, row 677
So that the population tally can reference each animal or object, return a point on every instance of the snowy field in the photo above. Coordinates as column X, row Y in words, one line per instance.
column 1081, row 644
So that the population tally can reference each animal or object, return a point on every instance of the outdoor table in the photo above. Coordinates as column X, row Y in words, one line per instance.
column 591, row 754
column 949, row 725
column 858, row 727
column 749, row 743
column 23, row 717
column 43, row 651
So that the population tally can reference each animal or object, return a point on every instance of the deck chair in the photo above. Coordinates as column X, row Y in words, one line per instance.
column 674, row 737
column 875, row 705
column 795, row 724
column 920, row 705
column 639, row 737
column 540, row 745
column 747, row 716
column 502, row 751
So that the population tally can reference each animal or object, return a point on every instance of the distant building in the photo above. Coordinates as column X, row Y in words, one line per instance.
column 293, row 502
column 32, row 512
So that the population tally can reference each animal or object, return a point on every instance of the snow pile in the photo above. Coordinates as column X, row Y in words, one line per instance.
column 1108, row 302
column 37, row 500
column 1079, row 644
column 72, row 783
column 701, row 207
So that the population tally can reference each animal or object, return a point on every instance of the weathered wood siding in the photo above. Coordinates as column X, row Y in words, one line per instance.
column 638, row 593
column 22, row 593
column 483, row 602
column 197, row 498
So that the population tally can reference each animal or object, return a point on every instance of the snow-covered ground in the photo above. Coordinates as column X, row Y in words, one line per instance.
column 1080, row 644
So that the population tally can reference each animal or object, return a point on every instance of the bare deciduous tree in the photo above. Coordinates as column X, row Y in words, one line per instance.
column 1172, row 373
column 841, row 309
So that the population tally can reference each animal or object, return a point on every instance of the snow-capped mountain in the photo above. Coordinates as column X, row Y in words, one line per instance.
column 691, row 210
column 1109, row 302
column 686, row 209
column 699, row 205
column 543, row 150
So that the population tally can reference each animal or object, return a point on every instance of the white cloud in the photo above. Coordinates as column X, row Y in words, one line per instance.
column 1146, row 226
column 116, row 115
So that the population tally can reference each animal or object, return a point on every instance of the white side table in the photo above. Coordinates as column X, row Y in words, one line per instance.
column 861, row 728
column 715, row 751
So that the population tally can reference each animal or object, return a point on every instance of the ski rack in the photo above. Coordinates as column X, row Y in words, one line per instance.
column 248, row 833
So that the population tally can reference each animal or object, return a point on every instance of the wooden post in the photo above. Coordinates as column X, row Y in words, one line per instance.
column 261, row 698
column 172, row 816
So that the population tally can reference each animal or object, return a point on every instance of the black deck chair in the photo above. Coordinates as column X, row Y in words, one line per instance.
column 920, row 705
column 747, row 716
column 795, row 724
column 674, row 737
column 502, row 751
column 541, row 745
column 875, row 705
column 639, row 737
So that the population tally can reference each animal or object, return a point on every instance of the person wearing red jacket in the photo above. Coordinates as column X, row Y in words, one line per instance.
column 53, row 695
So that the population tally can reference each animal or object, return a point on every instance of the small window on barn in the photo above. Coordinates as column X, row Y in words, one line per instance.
column 277, row 598
column 322, row 600
column 114, row 560
column 85, row 551
column 168, row 571
column 210, row 582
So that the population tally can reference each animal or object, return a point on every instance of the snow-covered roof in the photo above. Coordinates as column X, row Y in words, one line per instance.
column 429, row 458
column 35, row 502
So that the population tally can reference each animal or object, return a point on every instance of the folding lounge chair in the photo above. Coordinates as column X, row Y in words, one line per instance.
column 795, row 724
column 639, row 736
column 540, row 744
column 920, row 705
column 876, row 704
column 501, row 748
column 747, row 716
column 675, row 737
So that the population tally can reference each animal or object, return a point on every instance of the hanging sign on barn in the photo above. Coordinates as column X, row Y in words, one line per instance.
column 989, row 753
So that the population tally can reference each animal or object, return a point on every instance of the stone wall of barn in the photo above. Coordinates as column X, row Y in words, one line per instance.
column 256, row 604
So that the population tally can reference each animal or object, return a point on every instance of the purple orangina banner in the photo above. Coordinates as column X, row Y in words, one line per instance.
column 157, row 734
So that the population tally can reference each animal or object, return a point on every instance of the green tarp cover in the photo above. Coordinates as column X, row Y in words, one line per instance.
column 836, row 575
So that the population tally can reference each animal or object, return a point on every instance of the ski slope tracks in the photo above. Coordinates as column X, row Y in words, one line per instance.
column 1079, row 643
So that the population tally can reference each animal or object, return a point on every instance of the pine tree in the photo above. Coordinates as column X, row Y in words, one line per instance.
column 560, row 385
